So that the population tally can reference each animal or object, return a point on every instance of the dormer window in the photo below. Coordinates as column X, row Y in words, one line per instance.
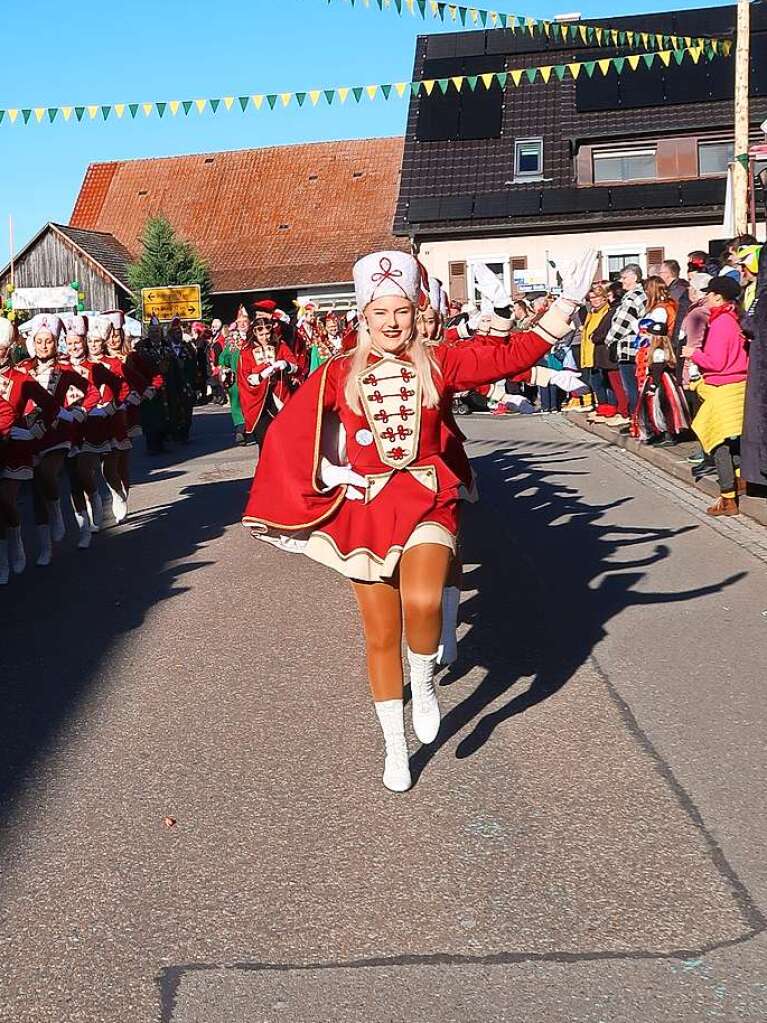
column 528, row 159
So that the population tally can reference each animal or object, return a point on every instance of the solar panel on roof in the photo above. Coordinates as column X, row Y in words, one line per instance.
column 641, row 88
column 644, row 197
column 423, row 209
column 492, row 204
column 597, row 93
column 525, row 203
column 558, row 200
column 456, row 207
column 704, row 192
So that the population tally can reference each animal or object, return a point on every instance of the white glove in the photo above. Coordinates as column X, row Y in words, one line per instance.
column 490, row 287
column 269, row 371
column 578, row 278
column 569, row 382
column 19, row 433
column 281, row 316
column 280, row 365
column 351, row 316
column 134, row 398
column 254, row 379
column 100, row 412
column 343, row 475
column 65, row 416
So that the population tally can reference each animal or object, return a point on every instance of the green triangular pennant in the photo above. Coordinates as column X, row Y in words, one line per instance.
column 422, row 7
column 26, row 114
column 502, row 78
column 386, row 89
column 330, row 96
column 472, row 80
column 187, row 105
column 483, row 18
column 214, row 104
column 161, row 109
column 357, row 92
column 271, row 99
column 679, row 56
column 52, row 111
column 618, row 63
column 462, row 15
column 648, row 58
column 105, row 112
column 415, row 88
column 588, row 67
column 243, row 101
column 133, row 107
column 530, row 74
column 300, row 97
column 559, row 71
column 79, row 111
column 443, row 84
column 441, row 11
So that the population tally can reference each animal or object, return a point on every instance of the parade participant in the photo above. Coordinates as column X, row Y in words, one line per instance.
column 386, row 517
column 349, row 337
column 264, row 369
column 662, row 412
column 99, row 332
column 213, row 350
column 156, row 364
column 94, row 435
column 327, row 342
column 748, row 264
column 305, row 337
column 70, row 391
column 185, row 358
column 119, row 349
column 228, row 360
column 22, row 392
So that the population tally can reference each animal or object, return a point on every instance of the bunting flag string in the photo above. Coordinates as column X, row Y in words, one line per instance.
column 549, row 73
column 566, row 31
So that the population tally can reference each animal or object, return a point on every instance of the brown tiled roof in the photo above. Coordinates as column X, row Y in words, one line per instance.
column 103, row 248
column 279, row 217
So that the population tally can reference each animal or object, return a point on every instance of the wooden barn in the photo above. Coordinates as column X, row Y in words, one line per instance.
column 59, row 254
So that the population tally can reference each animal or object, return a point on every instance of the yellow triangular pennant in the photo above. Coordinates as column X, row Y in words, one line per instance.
column 343, row 92
column 399, row 88
column 200, row 104
column 314, row 96
column 634, row 60
column 67, row 112
column 516, row 76
column 174, row 104
column 574, row 69
column 371, row 90
column 604, row 66
column 429, row 85
column 147, row 108
column 545, row 72
column 39, row 114
column 13, row 114
column 487, row 80
column 665, row 56
column 257, row 101
column 92, row 111
column 285, row 98
column 119, row 109
column 228, row 102
column 696, row 53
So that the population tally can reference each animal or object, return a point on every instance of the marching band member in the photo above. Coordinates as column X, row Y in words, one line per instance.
column 264, row 369
column 139, row 386
column 99, row 331
column 228, row 361
column 72, row 395
column 385, row 515
column 20, row 391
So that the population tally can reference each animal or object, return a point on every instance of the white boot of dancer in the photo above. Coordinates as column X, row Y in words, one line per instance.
column 391, row 715
column 16, row 550
column 96, row 511
column 84, row 527
column 119, row 506
column 56, row 521
column 447, row 652
column 5, row 568
column 46, row 546
column 426, row 715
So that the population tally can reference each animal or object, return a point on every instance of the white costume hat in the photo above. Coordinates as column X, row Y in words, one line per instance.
column 77, row 326
column 43, row 321
column 386, row 273
column 444, row 303
column 435, row 293
column 100, row 328
column 116, row 318
column 6, row 332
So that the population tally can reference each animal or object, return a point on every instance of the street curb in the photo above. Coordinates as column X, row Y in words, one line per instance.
column 753, row 507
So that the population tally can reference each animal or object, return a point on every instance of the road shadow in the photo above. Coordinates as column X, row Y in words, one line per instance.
column 546, row 572
column 61, row 625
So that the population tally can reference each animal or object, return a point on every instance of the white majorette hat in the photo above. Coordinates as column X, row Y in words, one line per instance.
column 100, row 328
column 6, row 332
column 444, row 303
column 435, row 293
column 116, row 318
column 386, row 273
column 77, row 326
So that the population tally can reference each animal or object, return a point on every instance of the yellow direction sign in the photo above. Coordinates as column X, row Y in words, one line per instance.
column 183, row 301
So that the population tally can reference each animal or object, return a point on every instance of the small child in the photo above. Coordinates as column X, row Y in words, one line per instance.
column 662, row 412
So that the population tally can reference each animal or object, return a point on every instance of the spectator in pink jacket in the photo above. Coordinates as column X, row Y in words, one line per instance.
column 718, row 375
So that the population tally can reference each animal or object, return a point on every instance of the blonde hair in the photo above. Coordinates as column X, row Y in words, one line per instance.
column 421, row 355
column 663, row 342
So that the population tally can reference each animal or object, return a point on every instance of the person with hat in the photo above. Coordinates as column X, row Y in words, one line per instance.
column 305, row 336
column 327, row 341
column 228, row 361
column 99, row 331
column 35, row 412
column 74, row 396
column 265, row 371
column 353, row 473
column 748, row 265
column 718, row 376
column 662, row 413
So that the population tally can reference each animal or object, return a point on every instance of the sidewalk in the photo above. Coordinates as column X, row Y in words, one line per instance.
column 671, row 460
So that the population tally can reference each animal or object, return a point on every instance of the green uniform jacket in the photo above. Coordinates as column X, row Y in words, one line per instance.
column 230, row 359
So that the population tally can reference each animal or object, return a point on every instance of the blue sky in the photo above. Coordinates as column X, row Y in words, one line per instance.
column 97, row 52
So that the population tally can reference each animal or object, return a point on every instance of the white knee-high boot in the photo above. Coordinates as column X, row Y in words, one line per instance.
column 448, row 642
column 391, row 715
column 16, row 550
column 84, row 527
column 97, row 511
column 5, row 568
column 119, row 505
column 426, row 716
column 56, row 521
column 46, row 546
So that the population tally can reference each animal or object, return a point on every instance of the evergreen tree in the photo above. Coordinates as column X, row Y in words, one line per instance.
column 166, row 260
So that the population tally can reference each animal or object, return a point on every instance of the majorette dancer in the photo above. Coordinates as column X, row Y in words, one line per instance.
column 22, row 393
column 94, row 436
column 228, row 361
column 306, row 335
column 99, row 332
column 385, row 513
column 74, row 396
column 264, row 371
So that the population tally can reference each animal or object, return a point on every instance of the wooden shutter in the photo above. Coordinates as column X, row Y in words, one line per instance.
column 655, row 257
column 517, row 263
column 456, row 284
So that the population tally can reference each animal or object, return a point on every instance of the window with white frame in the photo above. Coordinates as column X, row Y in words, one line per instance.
column 715, row 157
column 528, row 158
column 625, row 165
column 617, row 261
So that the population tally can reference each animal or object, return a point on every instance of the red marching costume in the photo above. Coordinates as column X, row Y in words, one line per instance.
column 399, row 446
column 264, row 374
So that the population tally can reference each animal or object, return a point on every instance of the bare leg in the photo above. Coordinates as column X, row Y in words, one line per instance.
column 379, row 604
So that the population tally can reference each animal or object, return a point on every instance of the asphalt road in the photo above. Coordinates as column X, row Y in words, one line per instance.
column 585, row 841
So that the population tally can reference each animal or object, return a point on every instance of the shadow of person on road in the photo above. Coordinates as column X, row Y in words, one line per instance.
column 61, row 625
column 545, row 573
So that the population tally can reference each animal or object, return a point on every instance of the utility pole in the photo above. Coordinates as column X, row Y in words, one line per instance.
column 742, row 69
